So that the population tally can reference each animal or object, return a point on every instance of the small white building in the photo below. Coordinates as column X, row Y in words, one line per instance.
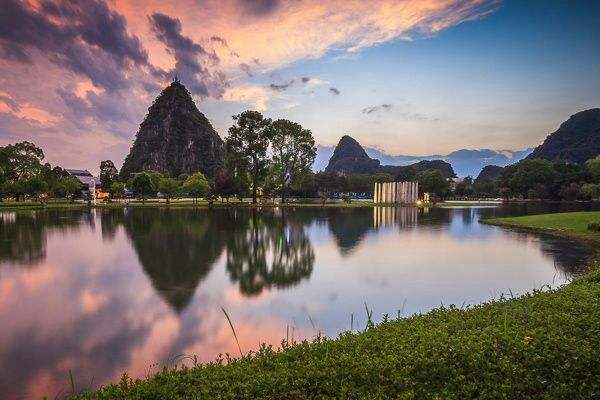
column 86, row 178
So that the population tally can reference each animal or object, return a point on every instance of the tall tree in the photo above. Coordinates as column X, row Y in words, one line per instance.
column 108, row 173
column 196, row 185
column 224, row 184
column 141, row 184
column 294, row 151
column 247, row 146
column 71, row 186
column 168, row 187
column 433, row 181
column 22, row 160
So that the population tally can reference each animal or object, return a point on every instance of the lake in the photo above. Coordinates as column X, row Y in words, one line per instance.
column 103, row 291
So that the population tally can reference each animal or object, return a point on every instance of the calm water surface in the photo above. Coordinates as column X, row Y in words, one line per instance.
column 101, row 292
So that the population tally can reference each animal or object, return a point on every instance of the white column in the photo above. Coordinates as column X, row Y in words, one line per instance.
column 375, row 192
column 415, row 193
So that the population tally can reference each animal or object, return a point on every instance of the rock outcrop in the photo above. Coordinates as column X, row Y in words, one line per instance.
column 175, row 138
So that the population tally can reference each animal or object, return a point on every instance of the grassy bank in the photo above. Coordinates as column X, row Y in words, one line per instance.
column 30, row 205
column 541, row 345
column 571, row 224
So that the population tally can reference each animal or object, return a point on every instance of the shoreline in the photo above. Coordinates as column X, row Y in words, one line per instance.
column 540, row 344
column 520, row 224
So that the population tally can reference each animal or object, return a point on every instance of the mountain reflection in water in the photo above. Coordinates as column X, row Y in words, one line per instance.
column 100, row 292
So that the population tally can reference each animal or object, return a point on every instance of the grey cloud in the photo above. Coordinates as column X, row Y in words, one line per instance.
column 84, row 36
column 192, row 61
column 259, row 8
column 281, row 87
column 333, row 90
column 247, row 69
column 372, row 109
column 305, row 79
column 112, row 111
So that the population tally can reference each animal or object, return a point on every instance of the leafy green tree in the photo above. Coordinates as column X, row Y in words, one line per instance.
column 529, row 175
column 141, row 185
column 224, row 184
column 168, row 187
column 117, row 189
column 328, row 183
column 591, row 191
column 247, row 145
column 22, row 160
column 108, row 173
column 14, row 189
column 294, row 151
column 155, row 177
column 433, row 181
column 382, row 177
column 71, row 186
column 593, row 166
column 570, row 192
column 360, row 183
column 196, row 185
column 485, row 187
column 36, row 186
column 465, row 187
column 304, row 185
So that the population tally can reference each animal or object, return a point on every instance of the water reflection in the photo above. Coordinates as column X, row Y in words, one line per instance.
column 23, row 234
column 268, row 249
column 106, row 291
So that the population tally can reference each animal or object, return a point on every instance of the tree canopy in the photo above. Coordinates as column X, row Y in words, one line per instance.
column 247, row 146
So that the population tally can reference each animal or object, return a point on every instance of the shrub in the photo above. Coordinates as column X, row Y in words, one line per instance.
column 594, row 226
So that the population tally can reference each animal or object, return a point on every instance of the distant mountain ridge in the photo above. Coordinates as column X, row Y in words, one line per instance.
column 577, row 139
column 349, row 157
column 464, row 161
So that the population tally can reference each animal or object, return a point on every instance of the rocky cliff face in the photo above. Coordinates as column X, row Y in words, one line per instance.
column 349, row 157
column 175, row 138
column 576, row 140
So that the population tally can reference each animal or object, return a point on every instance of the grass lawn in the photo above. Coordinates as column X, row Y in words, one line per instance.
column 543, row 345
column 572, row 224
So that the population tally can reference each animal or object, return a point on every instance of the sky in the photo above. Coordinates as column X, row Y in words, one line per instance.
column 411, row 77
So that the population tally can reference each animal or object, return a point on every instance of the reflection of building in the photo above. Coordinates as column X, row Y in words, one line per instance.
column 90, row 183
column 390, row 216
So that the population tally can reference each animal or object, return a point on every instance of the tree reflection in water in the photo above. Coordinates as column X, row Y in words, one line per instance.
column 268, row 249
column 23, row 234
column 178, row 247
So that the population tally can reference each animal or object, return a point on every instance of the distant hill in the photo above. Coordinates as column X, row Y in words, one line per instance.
column 490, row 172
column 464, row 162
column 175, row 138
column 576, row 140
column 349, row 157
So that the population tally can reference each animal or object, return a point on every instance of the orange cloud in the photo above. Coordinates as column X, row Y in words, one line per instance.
column 296, row 30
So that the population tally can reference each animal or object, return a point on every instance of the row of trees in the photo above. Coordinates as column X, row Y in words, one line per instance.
column 542, row 179
column 24, row 174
